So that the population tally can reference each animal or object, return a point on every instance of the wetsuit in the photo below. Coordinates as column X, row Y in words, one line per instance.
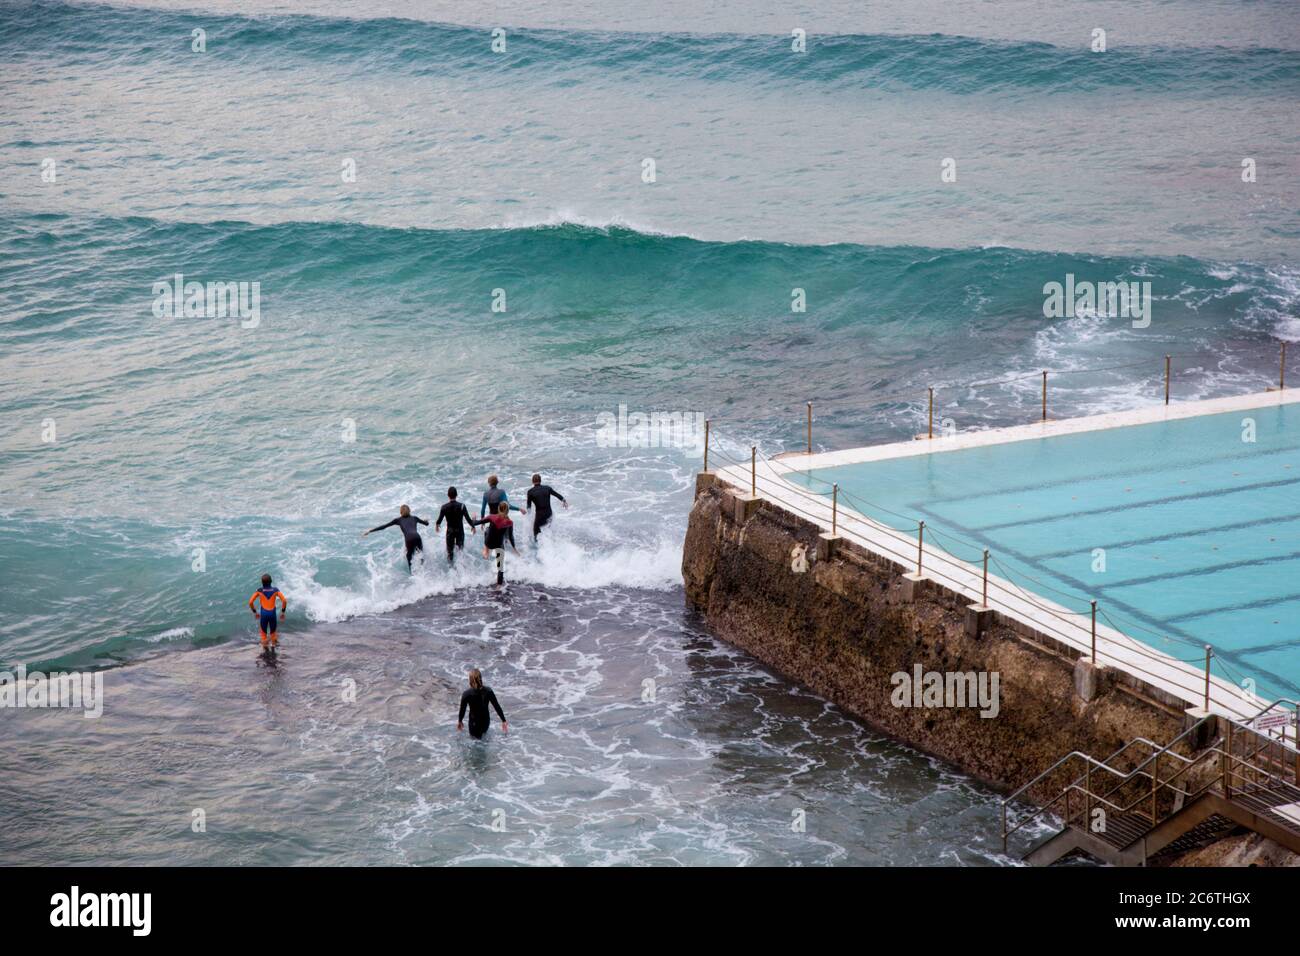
column 539, row 496
column 500, row 529
column 491, row 499
column 264, row 600
column 410, row 532
column 477, row 700
column 455, row 514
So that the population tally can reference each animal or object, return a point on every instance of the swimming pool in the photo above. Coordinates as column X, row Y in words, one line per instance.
column 1186, row 531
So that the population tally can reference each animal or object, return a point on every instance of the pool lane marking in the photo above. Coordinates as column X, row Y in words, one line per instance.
column 1174, row 536
column 1207, row 569
column 1093, row 479
column 1127, row 506
column 1230, row 608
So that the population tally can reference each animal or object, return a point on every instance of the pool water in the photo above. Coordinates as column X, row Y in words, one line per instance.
column 1185, row 532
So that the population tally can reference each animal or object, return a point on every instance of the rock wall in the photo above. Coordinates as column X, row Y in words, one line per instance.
column 844, row 626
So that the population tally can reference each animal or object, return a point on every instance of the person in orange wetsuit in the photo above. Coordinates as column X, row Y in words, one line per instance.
column 262, row 604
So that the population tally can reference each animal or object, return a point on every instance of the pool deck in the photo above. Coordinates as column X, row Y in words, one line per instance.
column 1183, row 681
column 1048, row 429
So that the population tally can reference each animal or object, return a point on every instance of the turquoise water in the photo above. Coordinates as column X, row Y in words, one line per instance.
column 132, row 444
column 1200, row 528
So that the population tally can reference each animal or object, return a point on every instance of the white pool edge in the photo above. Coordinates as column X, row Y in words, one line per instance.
column 1048, row 429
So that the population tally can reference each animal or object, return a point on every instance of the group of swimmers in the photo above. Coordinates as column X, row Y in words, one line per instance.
column 494, row 512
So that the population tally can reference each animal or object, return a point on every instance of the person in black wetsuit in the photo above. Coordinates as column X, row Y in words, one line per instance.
column 500, row 529
column 455, row 514
column 477, row 699
column 407, row 522
column 539, row 497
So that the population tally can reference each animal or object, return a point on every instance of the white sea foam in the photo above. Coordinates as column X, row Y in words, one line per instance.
column 171, row 634
column 567, row 217
column 381, row 583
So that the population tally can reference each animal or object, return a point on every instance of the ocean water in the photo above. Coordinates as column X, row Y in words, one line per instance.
column 152, row 466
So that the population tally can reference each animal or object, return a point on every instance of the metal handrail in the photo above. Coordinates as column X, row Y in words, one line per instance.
column 1233, row 764
column 1284, row 702
column 1159, row 786
column 1065, row 791
column 1089, row 762
column 1139, row 773
column 1160, row 752
column 1233, row 758
column 1136, row 772
column 1160, row 748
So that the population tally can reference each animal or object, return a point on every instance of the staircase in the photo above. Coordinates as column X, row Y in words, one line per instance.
column 1146, row 800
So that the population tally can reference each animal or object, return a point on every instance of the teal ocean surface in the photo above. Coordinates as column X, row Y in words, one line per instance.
column 460, row 268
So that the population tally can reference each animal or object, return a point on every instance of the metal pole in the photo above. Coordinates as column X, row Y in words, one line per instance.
column 1087, row 795
column 1155, row 777
column 1094, row 633
column 1295, row 732
column 930, row 433
column 1167, row 379
column 706, row 444
column 810, row 428
column 920, row 544
column 1044, row 395
column 835, row 507
column 1281, row 369
column 753, row 471
column 1208, row 651
column 986, row 578
column 1227, row 761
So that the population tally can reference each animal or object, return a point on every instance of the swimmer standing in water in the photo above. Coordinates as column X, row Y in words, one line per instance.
column 477, row 699
column 500, row 529
column 539, row 497
column 407, row 522
column 455, row 514
column 492, row 499
column 262, row 604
